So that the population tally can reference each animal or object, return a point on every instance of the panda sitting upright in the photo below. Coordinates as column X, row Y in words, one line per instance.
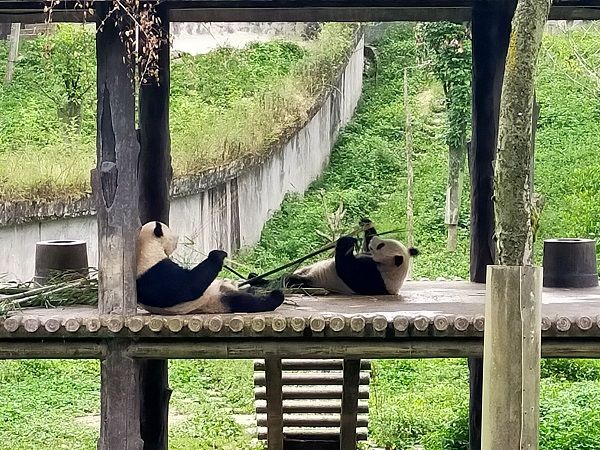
column 381, row 271
column 164, row 287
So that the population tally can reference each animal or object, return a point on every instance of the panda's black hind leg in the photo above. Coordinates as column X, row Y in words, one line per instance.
column 243, row 302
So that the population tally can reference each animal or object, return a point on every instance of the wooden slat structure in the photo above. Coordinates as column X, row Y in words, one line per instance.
column 318, row 403
column 430, row 319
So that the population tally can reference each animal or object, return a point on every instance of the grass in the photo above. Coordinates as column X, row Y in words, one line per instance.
column 413, row 401
column 224, row 105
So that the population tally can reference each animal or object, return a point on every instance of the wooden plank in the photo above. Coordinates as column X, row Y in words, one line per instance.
column 155, row 173
column 119, row 401
column 192, row 349
column 114, row 180
column 314, row 433
column 273, row 393
column 312, row 420
column 305, row 393
column 312, row 406
column 350, row 396
column 311, row 378
column 312, row 364
column 511, row 380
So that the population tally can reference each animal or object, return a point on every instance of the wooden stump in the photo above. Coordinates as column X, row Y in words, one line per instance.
column 512, row 352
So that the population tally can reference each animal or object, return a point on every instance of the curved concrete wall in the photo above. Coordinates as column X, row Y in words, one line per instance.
column 223, row 208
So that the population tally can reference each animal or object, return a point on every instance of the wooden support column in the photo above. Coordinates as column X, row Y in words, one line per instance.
column 512, row 352
column 155, row 173
column 114, row 180
column 491, row 24
column 348, row 417
column 274, row 390
column 119, row 401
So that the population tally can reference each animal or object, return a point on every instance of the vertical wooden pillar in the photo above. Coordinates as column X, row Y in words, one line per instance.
column 274, row 389
column 155, row 174
column 349, row 411
column 114, row 181
column 119, row 401
column 512, row 352
column 491, row 23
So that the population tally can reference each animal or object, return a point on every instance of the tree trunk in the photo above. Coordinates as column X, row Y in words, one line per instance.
column 13, row 52
column 456, row 162
column 514, row 160
column 409, row 171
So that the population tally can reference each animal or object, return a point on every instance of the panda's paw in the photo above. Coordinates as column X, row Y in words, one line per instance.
column 217, row 255
column 347, row 242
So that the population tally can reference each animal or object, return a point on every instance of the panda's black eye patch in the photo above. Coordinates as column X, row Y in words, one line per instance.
column 380, row 246
column 158, row 231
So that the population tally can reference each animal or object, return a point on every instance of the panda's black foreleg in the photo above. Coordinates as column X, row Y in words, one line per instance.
column 201, row 276
column 243, row 302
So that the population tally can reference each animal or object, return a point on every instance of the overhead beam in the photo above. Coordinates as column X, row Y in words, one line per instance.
column 34, row 14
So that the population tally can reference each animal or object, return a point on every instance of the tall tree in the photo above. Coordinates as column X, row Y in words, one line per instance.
column 512, row 196
column 446, row 50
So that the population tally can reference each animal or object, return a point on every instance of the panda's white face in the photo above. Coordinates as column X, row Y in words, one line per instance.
column 156, row 242
column 390, row 252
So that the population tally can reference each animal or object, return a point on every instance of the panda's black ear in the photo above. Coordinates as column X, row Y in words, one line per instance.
column 413, row 251
column 158, row 231
column 398, row 260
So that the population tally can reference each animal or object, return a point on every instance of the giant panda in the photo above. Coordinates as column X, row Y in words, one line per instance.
column 164, row 287
column 381, row 271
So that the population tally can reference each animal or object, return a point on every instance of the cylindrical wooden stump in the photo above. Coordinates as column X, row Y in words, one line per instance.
column 511, row 358
column 60, row 256
column 570, row 263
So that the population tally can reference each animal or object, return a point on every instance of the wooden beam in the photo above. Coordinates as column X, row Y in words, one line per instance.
column 274, row 396
column 114, row 180
column 348, row 417
column 491, row 23
column 155, row 173
column 119, row 401
column 511, row 355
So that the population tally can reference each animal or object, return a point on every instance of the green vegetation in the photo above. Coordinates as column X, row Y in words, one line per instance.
column 224, row 105
column 413, row 401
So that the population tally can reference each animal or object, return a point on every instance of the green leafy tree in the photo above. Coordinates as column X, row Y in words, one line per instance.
column 445, row 49
column 68, row 68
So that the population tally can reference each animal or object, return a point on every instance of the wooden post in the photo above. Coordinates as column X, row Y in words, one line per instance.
column 456, row 159
column 348, row 417
column 491, row 24
column 119, row 401
column 409, row 171
column 13, row 52
column 114, row 180
column 274, row 390
column 512, row 352
column 155, row 173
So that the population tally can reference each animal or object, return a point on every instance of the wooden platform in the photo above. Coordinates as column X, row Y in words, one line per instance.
column 429, row 319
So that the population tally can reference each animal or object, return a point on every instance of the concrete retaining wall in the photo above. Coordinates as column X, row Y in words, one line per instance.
column 223, row 208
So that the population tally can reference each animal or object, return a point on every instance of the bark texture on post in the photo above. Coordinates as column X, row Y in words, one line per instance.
column 491, row 32
column 114, row 180
column 13, row 51
column 456, row 162
column 155, row 173
column 409, row 171
column 512, row 353
column 119, row 401
column 512, row 194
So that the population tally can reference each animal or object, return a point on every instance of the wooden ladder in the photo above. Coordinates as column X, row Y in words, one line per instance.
column 312, row 403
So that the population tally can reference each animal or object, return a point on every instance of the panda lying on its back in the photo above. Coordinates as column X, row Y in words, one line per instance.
column 382, row 271
column 164, row 287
